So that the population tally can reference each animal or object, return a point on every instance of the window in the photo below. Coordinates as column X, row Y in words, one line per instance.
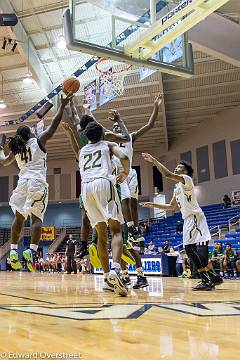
column 157, row 179
column 4, row 185
column 203, row 164
column 187, row 156
column 138, row 171
column 235, row 150
column 220, row 159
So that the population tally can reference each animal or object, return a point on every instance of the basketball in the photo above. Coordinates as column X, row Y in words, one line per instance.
column 71, row 84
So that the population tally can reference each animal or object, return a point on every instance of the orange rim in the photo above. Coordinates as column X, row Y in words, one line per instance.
column 101, row 60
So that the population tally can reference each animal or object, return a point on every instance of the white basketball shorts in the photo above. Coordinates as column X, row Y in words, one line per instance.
column 129, row 188
column 195, row 230
column 101, row 201
column 30, row 197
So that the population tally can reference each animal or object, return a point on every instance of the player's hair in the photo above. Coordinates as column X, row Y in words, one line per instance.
column 85, row 120
column 188, row 167
column 229, row 244
column 17, row 144
column 94, row 132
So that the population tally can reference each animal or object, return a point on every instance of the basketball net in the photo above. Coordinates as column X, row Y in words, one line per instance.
column 112, row 72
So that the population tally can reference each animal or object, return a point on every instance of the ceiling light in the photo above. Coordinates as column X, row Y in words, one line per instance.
column 28, row 79
column 2, row 104
column 61, row 43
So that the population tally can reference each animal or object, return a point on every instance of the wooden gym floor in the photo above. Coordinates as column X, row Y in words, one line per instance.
column 54, row 313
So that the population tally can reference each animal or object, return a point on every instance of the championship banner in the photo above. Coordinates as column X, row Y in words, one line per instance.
column 105, row 90
column 173, row 51
column 90, row 96
column 48, row 233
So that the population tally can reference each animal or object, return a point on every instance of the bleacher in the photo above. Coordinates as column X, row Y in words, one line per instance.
column 164, row 229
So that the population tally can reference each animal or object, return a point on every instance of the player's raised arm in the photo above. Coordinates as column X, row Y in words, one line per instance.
column 151, row 122
column 49, row 132
column 162, row 169
column 122, row 137
column 115, row 150
column 167, row 207
column 69, row 132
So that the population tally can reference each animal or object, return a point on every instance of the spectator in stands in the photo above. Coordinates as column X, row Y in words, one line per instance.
column 229, row 260
column 181, row 263
column 145, row 228
column 166, row 247
column 238, row 266
column 70, row 253
column 226, row 201
column 179, row 228
column 216, row 257
column 160, row 250
column 151, row 248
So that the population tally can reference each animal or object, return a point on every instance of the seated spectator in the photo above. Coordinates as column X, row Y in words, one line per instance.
column 166, row 247
column 151, row 247
column 145, row 227
column 181, row 263
column 229, row 261
column 216, row 257
column 179, row 228
column 226, row 201
column 159, row 250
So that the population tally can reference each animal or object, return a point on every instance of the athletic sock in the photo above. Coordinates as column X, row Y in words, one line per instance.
column 33, row 247
column 14, row 247
column 140, row 271
column 116, row 267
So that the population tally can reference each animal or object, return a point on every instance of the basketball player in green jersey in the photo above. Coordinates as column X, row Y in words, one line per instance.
column 79, row 125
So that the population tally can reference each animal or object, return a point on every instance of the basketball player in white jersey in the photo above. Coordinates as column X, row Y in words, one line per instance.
column 30, row 197
column 195, row 228
column 129, row 188
column 101, row 201
column 129, row 196
column 80, row 125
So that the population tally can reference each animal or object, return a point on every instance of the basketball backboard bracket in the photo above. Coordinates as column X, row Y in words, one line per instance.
column 179, row 20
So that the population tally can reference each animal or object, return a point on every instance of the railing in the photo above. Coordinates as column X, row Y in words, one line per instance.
column 57, row 242
column 235, row 220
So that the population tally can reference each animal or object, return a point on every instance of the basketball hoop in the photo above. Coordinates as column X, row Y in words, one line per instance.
column 112, row 72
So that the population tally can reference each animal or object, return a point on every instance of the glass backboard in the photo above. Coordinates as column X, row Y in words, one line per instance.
column 105, row 27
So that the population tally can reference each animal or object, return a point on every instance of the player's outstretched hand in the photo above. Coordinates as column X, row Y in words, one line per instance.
column 114, row 116
column 158, row 100
column 148, row 157
column 65, row 100
column 121, row 177
column 2, row 140
column 147, row 205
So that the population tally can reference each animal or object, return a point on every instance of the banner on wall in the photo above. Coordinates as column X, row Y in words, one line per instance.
column 105, row 90
column 236, row 197
column 90, row 95
column 151, row 266
column 48, row 233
